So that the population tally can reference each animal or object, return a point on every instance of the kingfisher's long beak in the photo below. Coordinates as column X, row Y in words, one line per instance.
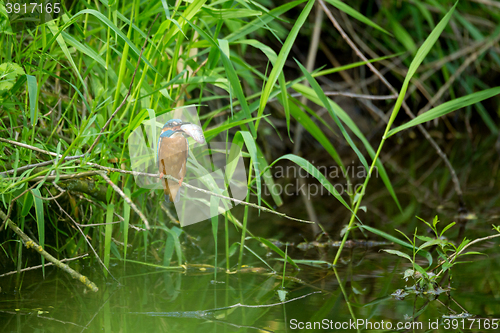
column 193, row 131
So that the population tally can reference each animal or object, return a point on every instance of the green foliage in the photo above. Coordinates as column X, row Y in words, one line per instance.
column 61, row 83
column 446, row 254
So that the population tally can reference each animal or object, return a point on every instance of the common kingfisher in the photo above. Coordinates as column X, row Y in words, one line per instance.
column 173, row 153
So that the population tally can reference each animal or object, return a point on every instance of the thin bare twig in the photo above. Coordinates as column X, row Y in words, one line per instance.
column 68, row 176
column 488, row 3
column 456, row 254
column 455, row 75
column 155, row 175
column 86, row 239
column 20, row 144
column 114, row 213
column 36, row 165
column 126, row 198
column 47, row 264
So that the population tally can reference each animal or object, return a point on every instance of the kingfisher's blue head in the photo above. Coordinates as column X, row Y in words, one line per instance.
column 173, row 124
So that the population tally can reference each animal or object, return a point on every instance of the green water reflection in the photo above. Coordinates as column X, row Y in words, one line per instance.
column 149, row 300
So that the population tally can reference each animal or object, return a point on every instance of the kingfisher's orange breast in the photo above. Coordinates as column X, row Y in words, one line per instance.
column 172, row 159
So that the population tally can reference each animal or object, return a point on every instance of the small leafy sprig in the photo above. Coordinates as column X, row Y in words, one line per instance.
column 426, row 279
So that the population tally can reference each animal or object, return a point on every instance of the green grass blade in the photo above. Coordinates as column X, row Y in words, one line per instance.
column 354, row 65
column 283, row 55
column 231, row 75
column 355, row 14
column 40, row 221
column 126, row 221
column 262, row 21
column 32, row 92
column 84, row 48
column 239, row 138
column 193, row 8
column 324, row 100
column 311, row 95
column 447, row 107
column 27, row 204
column 396, row 240
column 316, row 132
column 213, row 132
column 401, row 34
column 108, row 23
column 107, row 236
column 284, row 102
column 172, row 243
column 268, row 178
column 62, row 44
column 419, row 57
column 311, row 169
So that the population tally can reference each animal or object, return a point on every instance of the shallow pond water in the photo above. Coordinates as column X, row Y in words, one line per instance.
column 151, row 300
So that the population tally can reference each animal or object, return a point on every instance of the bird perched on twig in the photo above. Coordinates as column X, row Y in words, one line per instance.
column 173, row 153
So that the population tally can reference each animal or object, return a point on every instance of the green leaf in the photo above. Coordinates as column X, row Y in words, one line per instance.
column 435, row 221
column 84, row 48
column 268, row 178
column 401, row 34
column 27, row 204
column 193, row 8
column 213, row 132
column 283, row 55
column 419, row 57
column 40, row 221
column 9, row 71
column 262, row 21
column 429, row 243
column 396, row 240
column 324, row 100
column 472, row 252
column 62, row 44
column 447, row 107
column 311, row 95
column 355, row 14
column 316, row 132
column 32, row 92
column 428, row 224
column 269, row 52
column 446, row 228
column 231, row 13
column 231, row 75
column 284, row 101
column 311, row 169
column 398, row 253
column 107, row 236
column 239, row 138
column 107, row 22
